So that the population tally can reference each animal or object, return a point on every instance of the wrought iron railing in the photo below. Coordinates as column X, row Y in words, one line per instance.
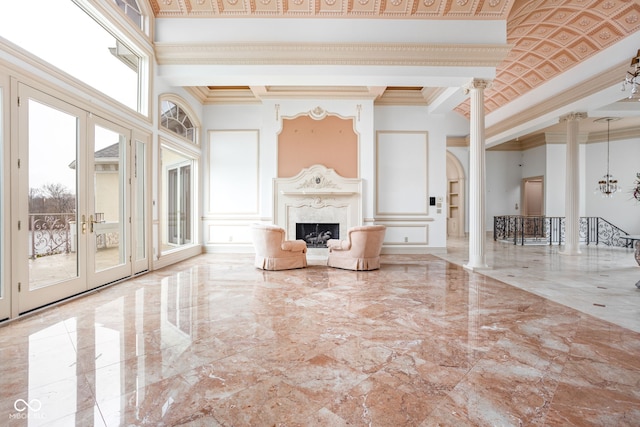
column 50, row 234
column 551, row 229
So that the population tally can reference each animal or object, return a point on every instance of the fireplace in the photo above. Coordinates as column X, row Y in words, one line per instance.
column 317, row 196
column 317, row 234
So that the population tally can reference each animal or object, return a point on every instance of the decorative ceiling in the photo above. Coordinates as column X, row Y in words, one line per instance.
column 549, row 37
column 395, row 9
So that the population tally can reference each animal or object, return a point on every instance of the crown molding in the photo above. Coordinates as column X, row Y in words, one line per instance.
column 537, row 140
column 614, row 135
column 396, row 54
column 561, row 137
column 457, row 141
column 401, row 97
column 222, row 96
column 521, row 144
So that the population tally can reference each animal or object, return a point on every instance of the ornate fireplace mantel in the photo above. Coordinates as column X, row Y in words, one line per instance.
column 317, row 194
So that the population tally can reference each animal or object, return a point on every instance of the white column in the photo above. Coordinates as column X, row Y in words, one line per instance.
column 572, row 187
column 477, row 176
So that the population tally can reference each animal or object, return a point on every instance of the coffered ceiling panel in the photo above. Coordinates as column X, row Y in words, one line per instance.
column 362, row 8
column 450, row 9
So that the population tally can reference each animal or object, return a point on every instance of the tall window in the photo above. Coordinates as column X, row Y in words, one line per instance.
column 179, row 172
column 175, row 119
column 132, row 10
column 87, row 50
column 2, row 206
column 178, row 209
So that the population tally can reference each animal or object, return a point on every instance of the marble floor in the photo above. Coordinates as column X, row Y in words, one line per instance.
column 538, row 339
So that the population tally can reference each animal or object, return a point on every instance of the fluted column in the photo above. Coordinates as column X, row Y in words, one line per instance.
column 572, row 186
column 477, row 176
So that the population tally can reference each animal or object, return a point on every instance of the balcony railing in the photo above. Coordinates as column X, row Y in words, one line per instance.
column 50, row 234
column 550, row 230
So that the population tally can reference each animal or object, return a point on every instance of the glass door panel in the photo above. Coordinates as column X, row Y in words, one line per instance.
column 108, row 212
column 5, row 250
column 179, row 205
column 140, row 196
column 178, row 189
column 49, row 133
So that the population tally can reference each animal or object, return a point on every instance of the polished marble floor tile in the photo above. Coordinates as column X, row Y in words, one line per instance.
column 538, row 339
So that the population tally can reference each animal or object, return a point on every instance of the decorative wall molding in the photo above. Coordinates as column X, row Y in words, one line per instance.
column 273, row 53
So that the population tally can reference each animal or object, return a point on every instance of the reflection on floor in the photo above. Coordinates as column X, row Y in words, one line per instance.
column 421, row 342
column 50, row 269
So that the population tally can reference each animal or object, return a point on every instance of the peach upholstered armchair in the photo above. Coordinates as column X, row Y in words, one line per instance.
column 273, row 252
column 359, row 251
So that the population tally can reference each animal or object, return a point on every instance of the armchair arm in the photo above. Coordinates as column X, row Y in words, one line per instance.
column 294, row 246
column 339, row 245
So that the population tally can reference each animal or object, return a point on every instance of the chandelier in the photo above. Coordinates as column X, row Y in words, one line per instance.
column 608, row 185
column 633, row 77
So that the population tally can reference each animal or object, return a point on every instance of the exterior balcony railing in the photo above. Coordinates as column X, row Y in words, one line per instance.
column 50, row 234
column 551, row 230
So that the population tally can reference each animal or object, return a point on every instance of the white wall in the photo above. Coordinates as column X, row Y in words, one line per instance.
column 422, row 230
column 555, row 179
column 534, row 162
column 228, row 231
column 504, row 176
column 390, row 119
column 505, row 170
column 621, row 210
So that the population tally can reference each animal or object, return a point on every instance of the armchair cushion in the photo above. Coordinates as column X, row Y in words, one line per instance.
column 294, row 245
column 273, row 252
column 339, row 245
column 360, row 250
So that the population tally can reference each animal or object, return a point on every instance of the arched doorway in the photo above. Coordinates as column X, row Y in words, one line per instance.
column 455, row 197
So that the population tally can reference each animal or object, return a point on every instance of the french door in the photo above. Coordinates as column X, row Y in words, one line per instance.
column 74, row 219
column 109, row 213
column 5, row 249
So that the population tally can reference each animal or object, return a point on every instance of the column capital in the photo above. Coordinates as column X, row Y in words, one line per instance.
column 477, row 84
column 573, row 116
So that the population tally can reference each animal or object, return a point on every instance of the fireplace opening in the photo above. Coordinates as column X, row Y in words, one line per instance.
column 317, row 234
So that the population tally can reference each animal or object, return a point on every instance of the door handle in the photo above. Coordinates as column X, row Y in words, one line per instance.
column 91, row 222
column 84, row 224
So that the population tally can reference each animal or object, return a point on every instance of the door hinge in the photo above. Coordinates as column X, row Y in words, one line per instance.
column 129, row 258
column 19, row 286
column 19, row 225
column 18, row 101
column 19, row 163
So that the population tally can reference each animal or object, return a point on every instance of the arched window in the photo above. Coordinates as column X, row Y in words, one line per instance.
column 132, row 10
column 175, row 119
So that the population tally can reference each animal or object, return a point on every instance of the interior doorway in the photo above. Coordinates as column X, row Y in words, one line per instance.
column 455, row 197
column 533, row 196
